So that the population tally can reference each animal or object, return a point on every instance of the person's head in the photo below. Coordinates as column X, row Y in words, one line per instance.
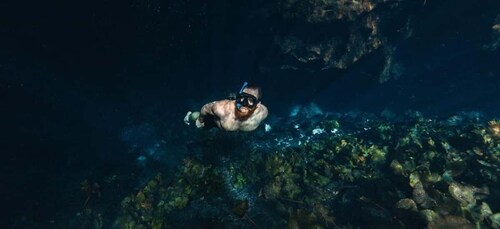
column 254, row 90
column 247, row 100
column 249, row 96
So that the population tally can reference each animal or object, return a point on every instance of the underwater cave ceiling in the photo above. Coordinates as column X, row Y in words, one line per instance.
column 320, row 36
column 495, row 40
column 337, row 34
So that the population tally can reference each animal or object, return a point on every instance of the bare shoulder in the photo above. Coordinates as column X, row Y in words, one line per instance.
column 263, row 107
column 263, row 110
column 221, row 107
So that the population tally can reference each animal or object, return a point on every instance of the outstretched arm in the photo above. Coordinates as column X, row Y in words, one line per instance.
column 206, row 110
column 198, row 117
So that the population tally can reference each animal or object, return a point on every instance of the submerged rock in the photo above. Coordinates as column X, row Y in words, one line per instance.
column 466, row 194
column 429, row 215
column 407, row 204
column 421, row 197
column 449, row 222
column 495, row 220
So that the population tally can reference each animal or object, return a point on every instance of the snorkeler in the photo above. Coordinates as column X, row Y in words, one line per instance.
column 243, row 111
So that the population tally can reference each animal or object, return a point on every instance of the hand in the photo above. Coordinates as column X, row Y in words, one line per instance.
column 199, row 124
column 187, row 118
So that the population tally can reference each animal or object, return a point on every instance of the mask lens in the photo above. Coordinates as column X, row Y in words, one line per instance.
column 251, row 101
column 247, row 100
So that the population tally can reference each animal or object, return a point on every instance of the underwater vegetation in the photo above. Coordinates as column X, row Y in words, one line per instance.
column 331, row 171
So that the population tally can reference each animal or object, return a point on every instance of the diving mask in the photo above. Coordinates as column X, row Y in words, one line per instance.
column 245, row 99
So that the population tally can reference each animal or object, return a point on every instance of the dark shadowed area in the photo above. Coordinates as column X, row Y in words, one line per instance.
column 91, row 89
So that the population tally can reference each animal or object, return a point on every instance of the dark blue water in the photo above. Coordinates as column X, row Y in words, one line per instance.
column 96, row 91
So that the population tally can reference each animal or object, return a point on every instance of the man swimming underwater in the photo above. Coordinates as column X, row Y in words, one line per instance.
column 242, row 112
